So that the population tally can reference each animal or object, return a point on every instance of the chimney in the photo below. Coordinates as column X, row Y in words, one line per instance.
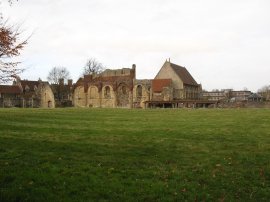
column 70, row 82
column 134, row 71
column 18, row 79
column 61, row 81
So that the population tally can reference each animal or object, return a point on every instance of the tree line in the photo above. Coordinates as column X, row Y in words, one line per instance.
column 92, row 66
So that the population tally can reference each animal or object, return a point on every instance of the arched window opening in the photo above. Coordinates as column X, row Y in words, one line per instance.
column 139, row 91
column 122, row 95
column 107, row 92
column 93, row 93
column 27, row 89
column 124, row 90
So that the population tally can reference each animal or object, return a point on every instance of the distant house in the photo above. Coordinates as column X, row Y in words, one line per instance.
column 227, row 94
column 214, row 95
column 24, row 93
column 217, row 95
column 241, row 95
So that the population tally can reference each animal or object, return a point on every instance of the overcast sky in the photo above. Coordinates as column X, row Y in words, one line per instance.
column 223, row 43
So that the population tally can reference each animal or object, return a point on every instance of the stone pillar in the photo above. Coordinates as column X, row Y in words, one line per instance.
column 130, row 96
column 113, row 97
column 86, row 99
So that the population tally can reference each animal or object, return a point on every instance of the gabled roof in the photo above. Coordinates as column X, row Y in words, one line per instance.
column 159, row 84
column 80, row 81
column 6, row 89
column 30, row 84
column 183, row 73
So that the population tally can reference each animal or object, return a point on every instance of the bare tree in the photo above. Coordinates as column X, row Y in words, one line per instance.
column 9, row 1
column 265, row 92
column 10, row 47
column 92, row 66
column 58, row 73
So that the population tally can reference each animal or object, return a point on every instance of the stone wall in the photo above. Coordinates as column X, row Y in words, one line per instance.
column 40, row 96
column 141, row 92
column 177, row 84
column 108, row 97
column 111, row 88
column 79, row 97
column 46, row 96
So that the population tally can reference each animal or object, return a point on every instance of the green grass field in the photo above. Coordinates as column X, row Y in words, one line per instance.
column 134, row 155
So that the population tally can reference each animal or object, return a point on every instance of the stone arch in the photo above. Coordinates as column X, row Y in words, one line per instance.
column 123, row 95
column 139, row 91
column 93, row 96
column 79, row 97
column 108, row 96
column 49, row 104
column 141, row 94
column 107, row 92
column 93, row 92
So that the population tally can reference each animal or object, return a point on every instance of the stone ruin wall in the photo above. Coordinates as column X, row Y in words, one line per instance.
column 46, row 96
column 111, row 88
column 141, row 92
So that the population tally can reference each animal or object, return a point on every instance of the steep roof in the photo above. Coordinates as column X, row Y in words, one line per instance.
column 30, row 84
column 79, row 82
column 10, row 89
column 184, row 75
column 159, row 84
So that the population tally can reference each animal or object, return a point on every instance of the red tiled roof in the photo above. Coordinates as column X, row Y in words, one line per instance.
column 10, row 89
column 183, row 73
column 159, row 84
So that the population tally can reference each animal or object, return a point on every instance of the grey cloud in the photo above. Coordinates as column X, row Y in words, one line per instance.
column 212, row 38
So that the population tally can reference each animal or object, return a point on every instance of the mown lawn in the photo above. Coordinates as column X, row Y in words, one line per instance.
column 134, row 155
